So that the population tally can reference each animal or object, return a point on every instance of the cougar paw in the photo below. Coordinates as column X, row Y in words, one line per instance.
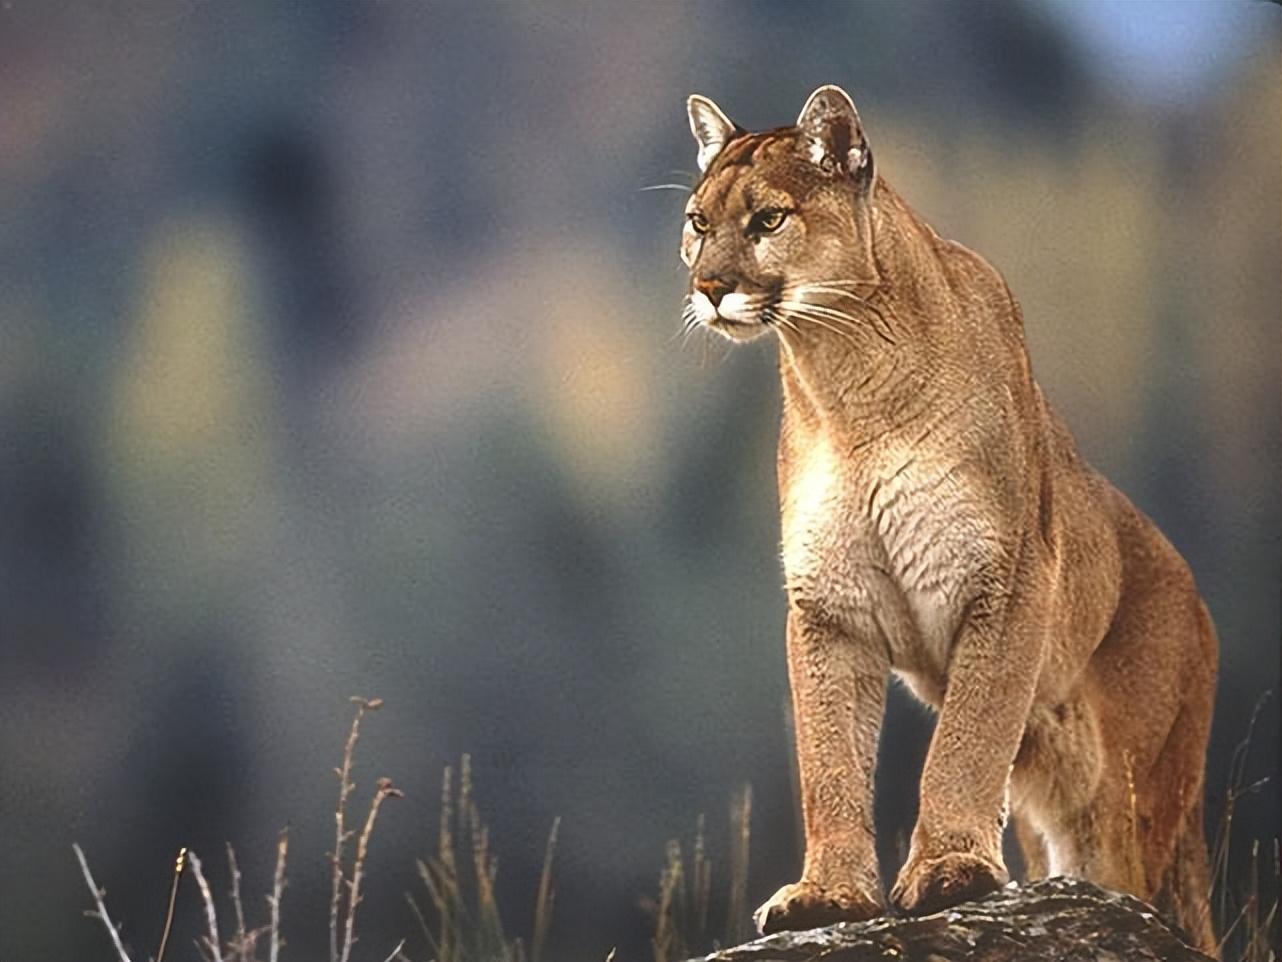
column 929, row 885
column 806, row 905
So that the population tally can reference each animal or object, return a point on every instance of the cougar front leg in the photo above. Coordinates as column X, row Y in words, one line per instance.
column 956, row 851
column 838, row 696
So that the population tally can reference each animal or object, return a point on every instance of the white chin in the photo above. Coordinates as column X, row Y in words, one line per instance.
column 740, row 331
column 732, row 320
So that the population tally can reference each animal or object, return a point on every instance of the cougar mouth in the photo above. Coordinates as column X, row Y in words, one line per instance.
column 739, row 317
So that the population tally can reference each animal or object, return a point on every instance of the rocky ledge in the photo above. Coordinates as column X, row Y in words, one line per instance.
column 1054, row 919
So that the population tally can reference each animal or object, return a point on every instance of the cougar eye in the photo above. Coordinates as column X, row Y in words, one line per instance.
column 699, row 223
column 768, row 220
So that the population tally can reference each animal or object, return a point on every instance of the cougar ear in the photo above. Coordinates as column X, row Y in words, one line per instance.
column 833, row 137
column 711, row 128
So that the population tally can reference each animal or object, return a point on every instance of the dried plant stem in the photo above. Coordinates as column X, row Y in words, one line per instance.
column 460, row 919
column 1134, row 865
column 179, row 864
column 385, row 790
column 243, row 942
column 273, row 900
column 683, row 914
column 666, row 942
column 701, row 881
column 422, row 921
column 737, row 915
column 240, row 944
column 213, row 943
column 543, row 902
column 101, row 912
column 341, row 834
column 1221, row 892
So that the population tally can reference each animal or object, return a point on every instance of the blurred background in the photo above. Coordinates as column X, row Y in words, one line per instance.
column 337, row 357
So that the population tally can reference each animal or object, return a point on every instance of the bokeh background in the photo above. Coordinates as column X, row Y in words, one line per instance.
column 337, row 357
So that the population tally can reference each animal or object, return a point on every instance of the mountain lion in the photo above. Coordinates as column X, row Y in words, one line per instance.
column 938, row 523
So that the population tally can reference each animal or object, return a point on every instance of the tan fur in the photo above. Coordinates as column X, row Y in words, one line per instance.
column 938, row 523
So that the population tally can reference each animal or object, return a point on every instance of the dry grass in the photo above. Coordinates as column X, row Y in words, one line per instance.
column 243, row 943
column 462, row 922
column 241, row 946
column 100, row 912
column 1245, row 903
column 460, row 919
column 682, row 911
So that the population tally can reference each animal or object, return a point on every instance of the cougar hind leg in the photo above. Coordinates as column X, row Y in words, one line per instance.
column 1057, row 771
column 1184, row 894
column 1126, row 815
column 1165, row 784
column 1032, row 847
column 1184, row 887
column 1100, row 840
column 1179, row 864
column 1076, row 793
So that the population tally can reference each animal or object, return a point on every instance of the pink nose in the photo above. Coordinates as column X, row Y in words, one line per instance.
column 713, row 288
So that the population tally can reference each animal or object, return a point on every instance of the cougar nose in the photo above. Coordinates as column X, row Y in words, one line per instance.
column 713, row 288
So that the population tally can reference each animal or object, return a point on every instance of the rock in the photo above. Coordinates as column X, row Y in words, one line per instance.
column 1058, row 919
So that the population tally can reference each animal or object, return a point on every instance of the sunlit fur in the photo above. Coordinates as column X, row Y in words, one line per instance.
column 937, row 522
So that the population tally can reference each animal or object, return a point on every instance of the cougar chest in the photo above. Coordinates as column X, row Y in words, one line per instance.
column 818, row 525
column 891, row 538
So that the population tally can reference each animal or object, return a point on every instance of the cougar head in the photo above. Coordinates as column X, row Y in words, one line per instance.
column 777, row 231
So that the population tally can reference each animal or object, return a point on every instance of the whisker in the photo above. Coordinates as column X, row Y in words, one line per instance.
column 782, row 322
column 854, row 323
column 828, row 327
column 706, row 347
column 819, row 310
column 854, row 282
column 799, row 312
column 804, row 289
column 681, row 187
column 687, row 331
column 822, row 309
column 838, row 287
column 785, row 328
column 848, row 321
column 835, row 330
column 690, row 325
column 881, row 330
column 688, row 322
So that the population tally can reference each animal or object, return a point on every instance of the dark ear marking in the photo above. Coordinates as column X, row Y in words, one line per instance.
column 832, row 135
